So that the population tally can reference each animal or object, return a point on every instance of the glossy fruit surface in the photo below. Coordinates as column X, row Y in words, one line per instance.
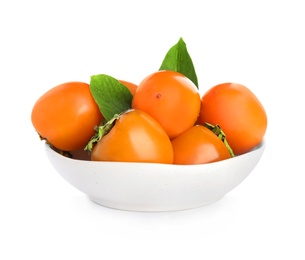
column 238, row 112
column 66, row 116
column 171, row 98
column 135, row 137
column 198, row 145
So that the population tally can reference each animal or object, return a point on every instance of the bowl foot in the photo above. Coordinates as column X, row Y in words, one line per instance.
column 152, row 208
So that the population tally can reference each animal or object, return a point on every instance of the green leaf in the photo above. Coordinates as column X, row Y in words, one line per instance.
column 179, row 60
column 111, row 96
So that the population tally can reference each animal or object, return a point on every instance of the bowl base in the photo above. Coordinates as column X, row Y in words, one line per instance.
column 152, row 208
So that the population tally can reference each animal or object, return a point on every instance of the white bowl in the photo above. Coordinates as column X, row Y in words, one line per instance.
column 155, row 187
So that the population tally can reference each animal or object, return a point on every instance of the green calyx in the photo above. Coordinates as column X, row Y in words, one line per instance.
column 221, row 135
column 101, row 131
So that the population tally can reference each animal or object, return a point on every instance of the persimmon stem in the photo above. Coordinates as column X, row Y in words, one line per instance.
column 101, row 131
column 221, row 135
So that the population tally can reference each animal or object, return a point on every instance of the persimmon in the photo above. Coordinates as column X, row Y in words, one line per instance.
column 134, row 136
column 131, row 86
column 169, row 97
column 199, row 145
column 239, row 113
column 65, row 116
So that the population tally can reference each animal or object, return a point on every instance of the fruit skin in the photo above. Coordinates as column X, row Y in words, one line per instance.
column 135, row 137
column 171, row 98
column 131, row 86
column 198, row 145
column 238, row 112
column 66, row 116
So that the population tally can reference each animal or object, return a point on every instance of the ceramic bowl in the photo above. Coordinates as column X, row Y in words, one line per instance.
column 152, row 186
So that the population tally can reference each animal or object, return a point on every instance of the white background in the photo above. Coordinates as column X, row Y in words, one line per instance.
column 256, row 43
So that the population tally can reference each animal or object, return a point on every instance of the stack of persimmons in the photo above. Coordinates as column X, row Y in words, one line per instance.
column 163, row 119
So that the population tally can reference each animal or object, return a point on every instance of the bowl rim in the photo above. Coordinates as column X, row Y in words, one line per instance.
column 260, row 146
